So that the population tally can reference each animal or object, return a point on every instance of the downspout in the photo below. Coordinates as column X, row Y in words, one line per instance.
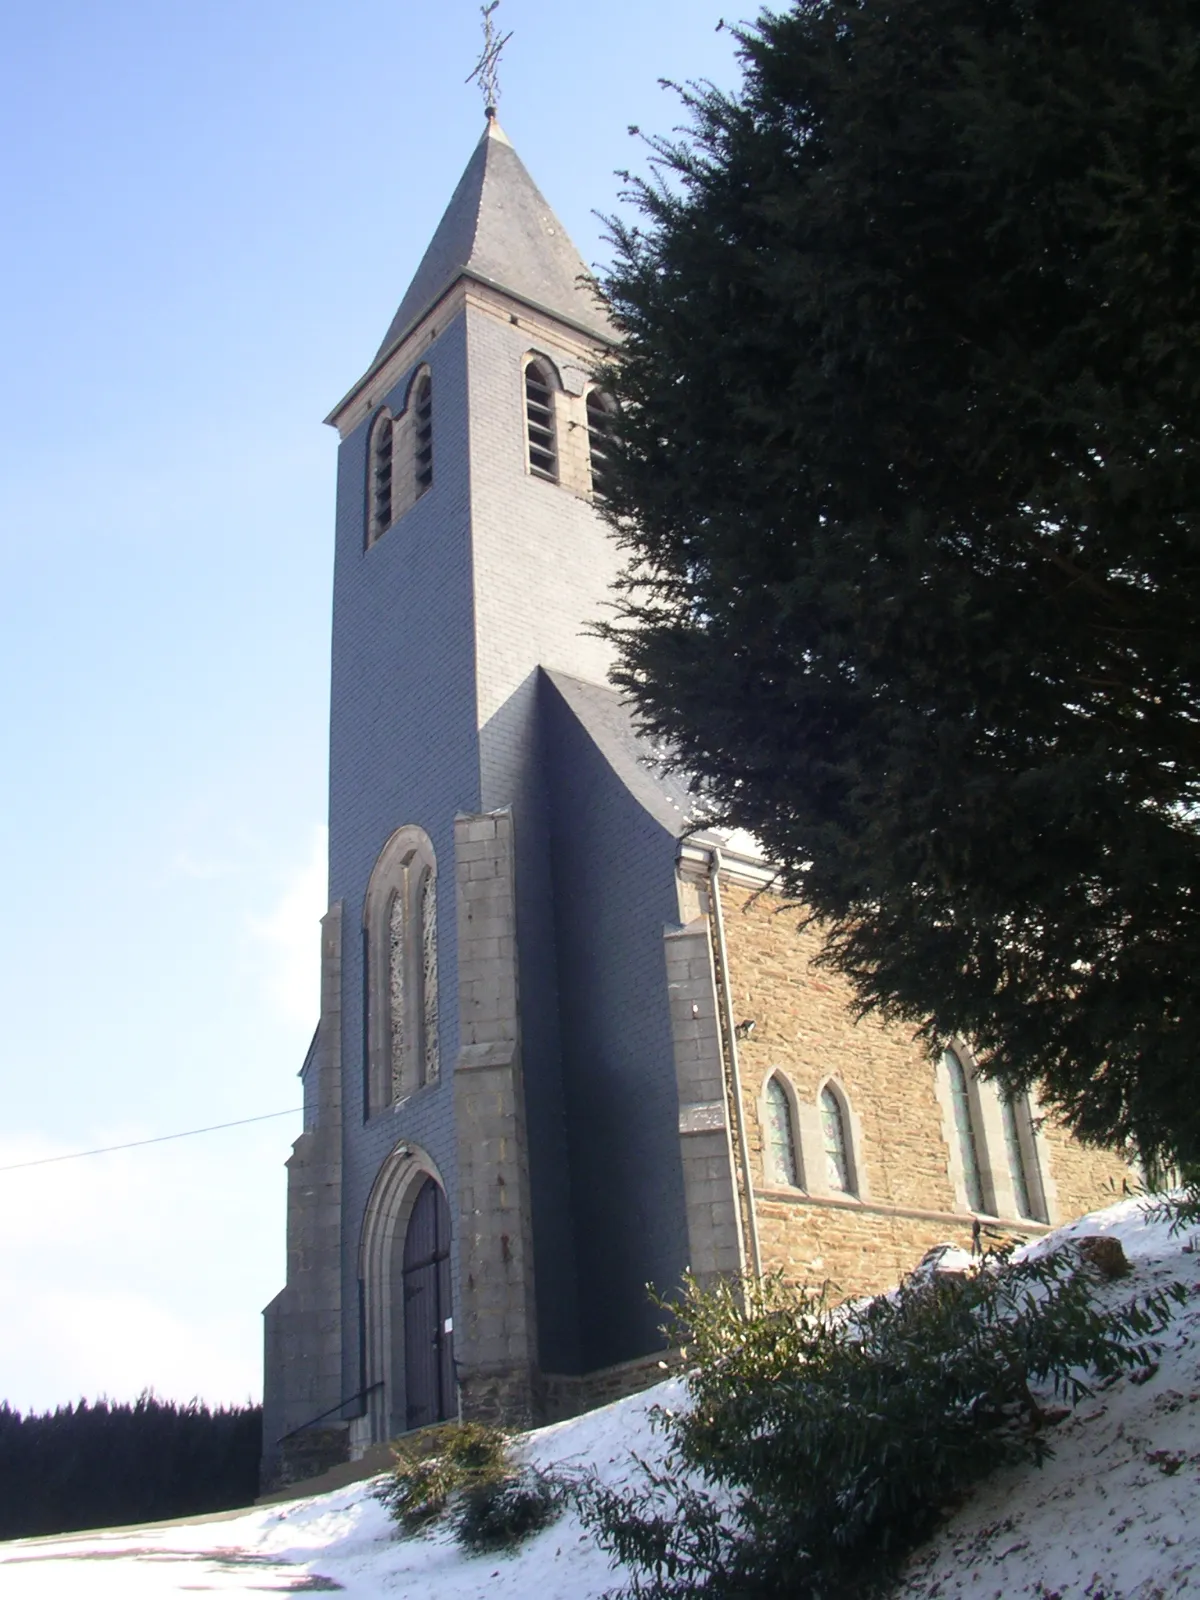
column 735, row 1076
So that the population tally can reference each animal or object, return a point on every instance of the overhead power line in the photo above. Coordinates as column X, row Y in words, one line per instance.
column 162, row 1138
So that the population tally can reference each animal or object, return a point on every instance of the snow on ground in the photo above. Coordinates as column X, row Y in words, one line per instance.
column 345, row 1540
column 1114, row 1516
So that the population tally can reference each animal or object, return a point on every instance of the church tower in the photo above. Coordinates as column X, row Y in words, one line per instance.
column 435, row 1166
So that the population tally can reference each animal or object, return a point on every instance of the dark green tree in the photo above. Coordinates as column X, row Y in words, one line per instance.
column 908, row 469
column 101, row 1464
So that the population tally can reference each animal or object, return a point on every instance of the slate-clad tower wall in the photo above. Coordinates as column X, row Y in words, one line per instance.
column 440, row 622
column 543, row 566
column 403, row 750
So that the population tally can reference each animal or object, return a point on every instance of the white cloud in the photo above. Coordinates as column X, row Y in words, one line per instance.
column 186, row 865
column 136, row 1270
column 118, row 1343
column 289, row 936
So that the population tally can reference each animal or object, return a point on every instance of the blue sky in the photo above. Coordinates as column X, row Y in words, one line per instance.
column 210, row 214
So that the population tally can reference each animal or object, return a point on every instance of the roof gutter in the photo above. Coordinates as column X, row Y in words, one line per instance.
column 735, row 1076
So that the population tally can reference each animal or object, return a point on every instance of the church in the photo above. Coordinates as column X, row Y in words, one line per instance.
column 567, row 1047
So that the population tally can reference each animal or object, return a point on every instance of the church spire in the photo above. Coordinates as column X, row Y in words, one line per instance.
column 499, row 230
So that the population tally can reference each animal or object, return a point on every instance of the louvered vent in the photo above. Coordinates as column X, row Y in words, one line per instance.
column 599, row 423
column 539, row 414
column 381, row 477
column 423, row 434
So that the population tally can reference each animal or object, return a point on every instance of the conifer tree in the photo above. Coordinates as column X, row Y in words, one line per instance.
column 908, row 469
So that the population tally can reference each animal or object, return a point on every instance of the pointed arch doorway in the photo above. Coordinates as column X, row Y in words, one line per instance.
column 408, row 1333
column 429, row 1390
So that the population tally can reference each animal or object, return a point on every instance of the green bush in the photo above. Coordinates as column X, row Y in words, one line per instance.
column 1182, row 1209
column 463, row 1473
column 821, row 1443
column 500, row 1514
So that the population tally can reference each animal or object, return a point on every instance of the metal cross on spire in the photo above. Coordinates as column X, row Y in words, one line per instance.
column 487, row 69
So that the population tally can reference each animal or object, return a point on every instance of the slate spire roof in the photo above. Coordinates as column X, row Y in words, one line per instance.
column 499, row 230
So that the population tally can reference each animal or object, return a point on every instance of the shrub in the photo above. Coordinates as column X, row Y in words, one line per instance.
column 820, row 1444
column 1182, row 1209
column 464, row 1473
column 499, row 1515
column 435, row 1464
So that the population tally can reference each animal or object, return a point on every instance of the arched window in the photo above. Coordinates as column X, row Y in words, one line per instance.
column 379, row 477
column 965, row 1129
column 539, row 420
column 400, row 932
column 420, row 410
column 839, row 1168
column 599, row 424
column 781, row 1136
column 1021, row 1150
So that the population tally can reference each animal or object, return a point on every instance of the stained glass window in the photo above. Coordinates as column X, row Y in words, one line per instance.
column 781, row 1138
column 400, row 941
column 397, row 985
column 429, row 974
column 964, row 1127
column 837, row 1155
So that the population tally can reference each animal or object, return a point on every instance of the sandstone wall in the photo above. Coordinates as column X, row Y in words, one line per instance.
column 903, row 1141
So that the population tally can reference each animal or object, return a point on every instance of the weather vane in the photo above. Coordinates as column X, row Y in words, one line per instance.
column 487, row 69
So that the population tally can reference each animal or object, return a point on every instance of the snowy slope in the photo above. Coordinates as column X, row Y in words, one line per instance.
column 1115, row 1515
column 344, row 1540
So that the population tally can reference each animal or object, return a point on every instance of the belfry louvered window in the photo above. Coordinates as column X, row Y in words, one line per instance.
column 379, row 484
column 539, row 419
column 422, row 434
column 599, row 424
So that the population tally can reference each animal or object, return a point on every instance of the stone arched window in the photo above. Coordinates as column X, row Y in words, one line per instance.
column 967, row 1129
column 783, row 1164
column 1020, row 1148
column 380, row 457
column 541, row 432
column 996, row 1157
column 413, row 471
column 835, row 1140
column 400, row 936
column 599, row 425
column 420, row 409
column 400, row 457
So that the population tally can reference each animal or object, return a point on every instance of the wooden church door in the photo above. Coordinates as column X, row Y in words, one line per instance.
column 429, row 1390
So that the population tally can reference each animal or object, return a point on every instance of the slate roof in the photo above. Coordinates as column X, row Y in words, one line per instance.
column 499, row 229
column 608, row 720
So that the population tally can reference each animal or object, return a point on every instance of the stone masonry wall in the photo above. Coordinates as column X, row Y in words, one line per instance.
column 805, row 1028
column 303, row 1368
column 496, row 1330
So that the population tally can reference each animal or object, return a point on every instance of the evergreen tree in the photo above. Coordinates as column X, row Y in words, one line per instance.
column 101, row 1464
column 907, row 464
